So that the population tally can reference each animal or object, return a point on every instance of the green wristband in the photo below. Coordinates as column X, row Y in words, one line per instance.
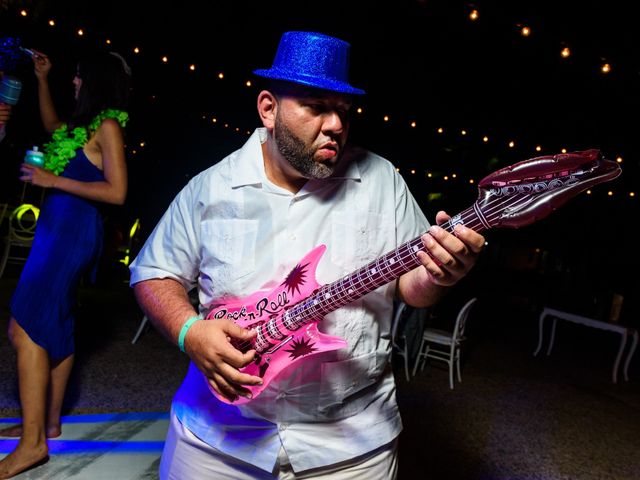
column 185, row 329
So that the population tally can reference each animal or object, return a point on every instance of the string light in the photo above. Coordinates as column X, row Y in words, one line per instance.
column 525, row 31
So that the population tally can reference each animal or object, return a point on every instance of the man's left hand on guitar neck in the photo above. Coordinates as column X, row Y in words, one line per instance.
column 449, row 257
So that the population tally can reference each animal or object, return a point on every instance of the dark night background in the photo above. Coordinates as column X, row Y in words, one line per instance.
column 422, row 61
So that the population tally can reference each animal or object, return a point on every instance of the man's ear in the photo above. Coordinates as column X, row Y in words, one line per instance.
column 267, row 107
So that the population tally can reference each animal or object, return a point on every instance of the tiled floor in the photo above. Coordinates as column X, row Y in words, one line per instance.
column 514, row 416
column 122, row 446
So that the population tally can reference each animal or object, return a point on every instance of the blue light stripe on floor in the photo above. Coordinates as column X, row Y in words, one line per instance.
column 67, row 447
column 104, row 417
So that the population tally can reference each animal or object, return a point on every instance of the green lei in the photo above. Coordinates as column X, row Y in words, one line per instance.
column 63, row 145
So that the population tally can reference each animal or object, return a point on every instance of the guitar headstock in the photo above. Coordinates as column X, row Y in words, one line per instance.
column 530, row 190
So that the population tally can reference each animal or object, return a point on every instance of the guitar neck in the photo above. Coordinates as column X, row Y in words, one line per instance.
column 379, row 272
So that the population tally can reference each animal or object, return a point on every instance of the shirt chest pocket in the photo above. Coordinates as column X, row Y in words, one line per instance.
column 358, row 237
column 229, row 249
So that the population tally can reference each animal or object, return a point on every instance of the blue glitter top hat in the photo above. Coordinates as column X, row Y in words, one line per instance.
column 312, row 59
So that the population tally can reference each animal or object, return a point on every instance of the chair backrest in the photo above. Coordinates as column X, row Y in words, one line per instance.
column 22, row 223
column 127, row 250
column 461, row 319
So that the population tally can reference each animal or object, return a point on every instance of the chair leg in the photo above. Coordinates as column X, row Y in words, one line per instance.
column 452, row 363
column 406, row 363
column 143, row 323
column 450, row 373
column 458, row 367
column 419, row 357
column 5, row 256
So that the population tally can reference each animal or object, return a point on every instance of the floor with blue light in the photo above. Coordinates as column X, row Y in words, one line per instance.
column 126, row 446
column 515, row 415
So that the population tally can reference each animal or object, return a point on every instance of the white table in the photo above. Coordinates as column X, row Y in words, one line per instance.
column 625, row 332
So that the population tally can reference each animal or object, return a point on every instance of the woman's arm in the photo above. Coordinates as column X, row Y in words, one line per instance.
column 113, row 189
column 48, row 113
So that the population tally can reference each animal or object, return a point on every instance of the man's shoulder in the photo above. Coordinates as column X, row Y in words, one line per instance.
column 367, row 160
column 236, row 161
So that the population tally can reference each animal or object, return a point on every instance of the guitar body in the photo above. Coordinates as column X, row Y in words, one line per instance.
column 264, row 311
column 286, row 318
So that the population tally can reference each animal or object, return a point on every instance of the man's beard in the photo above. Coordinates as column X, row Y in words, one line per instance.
column 299, row 156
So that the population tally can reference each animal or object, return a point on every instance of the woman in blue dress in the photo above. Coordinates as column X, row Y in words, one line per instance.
column 84, row 167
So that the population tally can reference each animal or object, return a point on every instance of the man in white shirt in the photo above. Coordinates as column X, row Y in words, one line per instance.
column 292, row 402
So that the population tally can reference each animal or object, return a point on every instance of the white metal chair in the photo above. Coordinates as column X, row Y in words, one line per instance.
column 445, row 346
column 20, row 233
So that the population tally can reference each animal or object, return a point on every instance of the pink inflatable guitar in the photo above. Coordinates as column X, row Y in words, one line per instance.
column 286, row 318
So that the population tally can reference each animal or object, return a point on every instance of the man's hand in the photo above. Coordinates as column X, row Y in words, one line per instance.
column 449, row 256
column 209, row 344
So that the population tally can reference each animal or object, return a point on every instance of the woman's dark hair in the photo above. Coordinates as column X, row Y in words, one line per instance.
column 106, row 83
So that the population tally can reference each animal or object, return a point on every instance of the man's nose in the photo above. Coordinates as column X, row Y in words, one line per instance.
column 333, row 122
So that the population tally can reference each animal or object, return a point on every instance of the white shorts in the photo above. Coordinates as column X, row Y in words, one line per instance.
column 186, row 457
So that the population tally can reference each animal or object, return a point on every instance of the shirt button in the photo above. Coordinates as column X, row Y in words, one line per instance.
column 292, row 236
column 282, row 427
column 280, row 396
